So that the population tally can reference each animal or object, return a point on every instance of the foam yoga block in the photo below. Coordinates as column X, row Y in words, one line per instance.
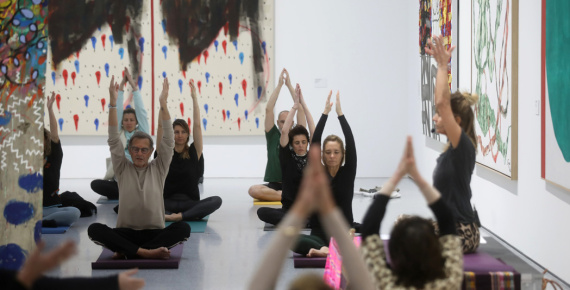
column 195, row 226
column 57, row 230
column 105, row 200
column 306, row 262
column 260, row 202
column 105, row 261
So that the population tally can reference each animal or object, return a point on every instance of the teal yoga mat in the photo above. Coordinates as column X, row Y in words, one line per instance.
column 105, row 200
column 196, row 226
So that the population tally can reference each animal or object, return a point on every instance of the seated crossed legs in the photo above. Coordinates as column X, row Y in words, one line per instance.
column 148, row 244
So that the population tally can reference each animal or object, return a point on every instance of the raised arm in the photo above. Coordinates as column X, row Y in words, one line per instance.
column 196, row 128
column 310, row 121
column 288, row 123
column 167, row 140
column 270, row 107
column 159, row 131
column 113, row 95
column 301, row 118
column 442, row 93
column 318, row 134
column 350, row 156
column 52, row 121
column 140, row 110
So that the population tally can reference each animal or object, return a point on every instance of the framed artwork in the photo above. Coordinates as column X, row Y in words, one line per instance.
column 555, row 93
column 494, row 77
column 436, row 17
column 229, row 58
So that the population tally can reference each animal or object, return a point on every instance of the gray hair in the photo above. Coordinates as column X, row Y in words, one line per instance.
column 141, row 135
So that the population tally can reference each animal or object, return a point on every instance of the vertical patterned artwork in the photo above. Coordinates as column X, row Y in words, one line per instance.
column 435, row 19
column 494, row 78
column 555, row 92
column 23, row 53
column 91, row 42
column 224, row 47
column 229, row 60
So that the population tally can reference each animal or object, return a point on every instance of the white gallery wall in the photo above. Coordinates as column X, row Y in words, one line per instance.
column 369, row 51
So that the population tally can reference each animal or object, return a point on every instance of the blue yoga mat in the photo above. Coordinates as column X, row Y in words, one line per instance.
column 58, row 230
column 105, row 200
column 195, row 226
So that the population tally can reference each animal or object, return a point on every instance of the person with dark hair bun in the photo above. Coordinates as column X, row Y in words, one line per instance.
column 293, row 147
column 132, row 120
column 452, row 174
column 419, row 258
column 181, row 193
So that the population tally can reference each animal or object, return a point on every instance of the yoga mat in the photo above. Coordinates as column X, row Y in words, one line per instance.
column 106, row 262
column 195, row 226
column 269, row 228
column 306, row 262
column 105, row 200
column 260, row 202
column 58, row 230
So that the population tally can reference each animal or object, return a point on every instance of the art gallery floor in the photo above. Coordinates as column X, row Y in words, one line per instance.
column 224, row 256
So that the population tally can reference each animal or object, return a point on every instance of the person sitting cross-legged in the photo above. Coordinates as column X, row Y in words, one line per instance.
column 140, row 231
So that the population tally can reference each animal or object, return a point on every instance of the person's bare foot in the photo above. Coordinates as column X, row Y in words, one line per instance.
column 322, row 252
column 175, row 217
column 159, row 253
column 118, row 256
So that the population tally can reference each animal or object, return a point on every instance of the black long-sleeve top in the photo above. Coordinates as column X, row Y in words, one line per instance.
column 376, row 211
column 342, row 183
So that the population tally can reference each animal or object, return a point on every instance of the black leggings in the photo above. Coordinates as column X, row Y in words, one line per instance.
column 193, row 209
column 316, row 240
column 271, row 215
column 108, row 188
column 128, row 241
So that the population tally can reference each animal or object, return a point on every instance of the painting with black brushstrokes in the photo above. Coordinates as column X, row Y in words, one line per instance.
column 72, row 24
column 232, row 82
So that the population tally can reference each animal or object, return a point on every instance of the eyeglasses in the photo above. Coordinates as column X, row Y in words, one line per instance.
column 142, row 150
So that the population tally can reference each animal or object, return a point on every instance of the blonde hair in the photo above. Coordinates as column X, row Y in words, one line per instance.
column 461, row 103
column 334, row 138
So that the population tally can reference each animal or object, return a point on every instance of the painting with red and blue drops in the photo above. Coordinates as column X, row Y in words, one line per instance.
column 23, row 55
column 231, row 63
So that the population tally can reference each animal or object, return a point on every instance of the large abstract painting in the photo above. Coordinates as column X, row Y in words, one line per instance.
column 226, row 47
column 494, row 74
column 556, row 92
column 23, row 53
column 436, row 18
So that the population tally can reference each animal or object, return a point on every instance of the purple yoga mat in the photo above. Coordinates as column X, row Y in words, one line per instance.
column 306, row 262
column 478, row 262
column 106, row 262
column 482, row 262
